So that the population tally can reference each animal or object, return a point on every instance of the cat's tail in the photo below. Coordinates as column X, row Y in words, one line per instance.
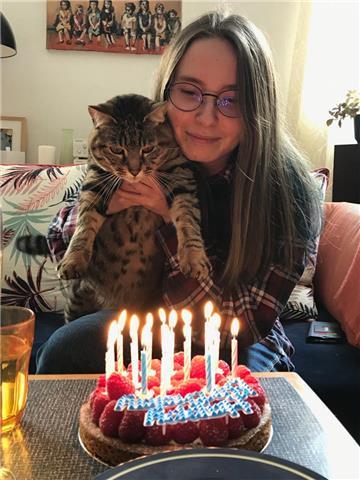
column 33, row 245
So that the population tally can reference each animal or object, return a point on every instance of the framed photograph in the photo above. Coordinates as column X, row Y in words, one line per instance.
column 117, row 26
column 13, row 134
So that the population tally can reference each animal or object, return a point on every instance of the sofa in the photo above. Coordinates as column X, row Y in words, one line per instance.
column 329, row 289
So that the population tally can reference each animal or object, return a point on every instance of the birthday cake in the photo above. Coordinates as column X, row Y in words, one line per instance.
column 119, row 422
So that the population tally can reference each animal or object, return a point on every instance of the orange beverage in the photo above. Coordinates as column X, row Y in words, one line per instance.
column 17, row 333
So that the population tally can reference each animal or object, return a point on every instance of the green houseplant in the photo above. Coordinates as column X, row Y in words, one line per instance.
column 350, row 107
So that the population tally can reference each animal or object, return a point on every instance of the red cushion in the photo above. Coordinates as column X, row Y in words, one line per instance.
column 337, row 278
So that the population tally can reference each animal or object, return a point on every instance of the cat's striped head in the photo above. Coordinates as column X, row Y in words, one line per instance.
column 130, row 137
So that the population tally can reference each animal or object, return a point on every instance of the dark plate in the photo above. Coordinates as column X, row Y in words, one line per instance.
column 209, row 464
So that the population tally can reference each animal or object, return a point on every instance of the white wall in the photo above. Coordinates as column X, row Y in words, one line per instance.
column 52, row 88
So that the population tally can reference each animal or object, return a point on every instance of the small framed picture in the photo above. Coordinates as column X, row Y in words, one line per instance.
column 13, row 134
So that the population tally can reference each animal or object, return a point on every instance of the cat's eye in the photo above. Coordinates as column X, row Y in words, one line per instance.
column 117, row 150
column 147, row 149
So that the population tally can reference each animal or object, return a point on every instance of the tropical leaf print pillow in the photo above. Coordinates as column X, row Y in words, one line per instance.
column 31, row 195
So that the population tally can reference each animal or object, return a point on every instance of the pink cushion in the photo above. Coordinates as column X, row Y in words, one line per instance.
column 337, row 279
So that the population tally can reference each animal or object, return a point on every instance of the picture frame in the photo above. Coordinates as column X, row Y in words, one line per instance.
column 13, row 134
column 112, row 26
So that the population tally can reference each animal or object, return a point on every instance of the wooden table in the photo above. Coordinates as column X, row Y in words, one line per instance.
column 341, row 451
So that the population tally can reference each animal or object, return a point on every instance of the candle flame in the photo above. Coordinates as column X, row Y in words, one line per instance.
column 122, row 320
column 145, row 334
column 149, row 320
column 208, row 309
column 112, row 334
column 186, row 315
column 216, row 321
column 235, row 325
column 134, row 325
column 172, row 319
column 162, row 315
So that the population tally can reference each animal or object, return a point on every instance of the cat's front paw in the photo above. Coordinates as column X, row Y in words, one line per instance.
column 194, row 263
column 72, row 267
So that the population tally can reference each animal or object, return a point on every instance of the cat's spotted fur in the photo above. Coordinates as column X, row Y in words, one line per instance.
column 113, row 260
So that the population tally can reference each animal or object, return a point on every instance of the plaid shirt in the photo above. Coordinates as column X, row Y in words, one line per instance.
column 256, row 304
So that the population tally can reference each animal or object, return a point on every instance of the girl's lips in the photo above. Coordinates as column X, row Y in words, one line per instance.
column 202, row 139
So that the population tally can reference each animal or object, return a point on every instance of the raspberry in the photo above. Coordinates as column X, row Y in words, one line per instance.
column 177, row 366
column 252, row 419
column 260, row 398
column 156, row 391
column 153, row 382
column 251, row 381
column 94, row 394
column 101, row 382
column 224, row 367
column 198, row 367
column 220, row 378
column 191, row 385
column 214, row 432
column 178, row 376
column 154, row 435
column 118, row 385
column 184, row 432
column 241, row 371
column 156, row 367
column 110, row 420
column 179, row 358
column 131, row 428
column 236, row 427
column 98, row 406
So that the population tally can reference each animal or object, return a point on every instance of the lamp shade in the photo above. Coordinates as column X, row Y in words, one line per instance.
column 7, row 39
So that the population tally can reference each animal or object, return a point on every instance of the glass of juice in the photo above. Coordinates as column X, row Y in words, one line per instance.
column 16, row 339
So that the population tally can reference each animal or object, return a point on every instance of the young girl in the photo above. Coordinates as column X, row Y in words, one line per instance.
column 63, row 25
column 260, row 206
column 94, row 21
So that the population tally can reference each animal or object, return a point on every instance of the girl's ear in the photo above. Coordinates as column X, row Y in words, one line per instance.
column 100, row 118
column 157, row 114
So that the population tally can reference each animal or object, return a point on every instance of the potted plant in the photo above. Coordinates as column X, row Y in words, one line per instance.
column 349, row 108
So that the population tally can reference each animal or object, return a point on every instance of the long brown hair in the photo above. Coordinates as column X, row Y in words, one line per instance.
column 275, row 203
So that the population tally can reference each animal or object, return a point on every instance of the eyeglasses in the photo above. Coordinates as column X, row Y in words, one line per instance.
column 188, row 97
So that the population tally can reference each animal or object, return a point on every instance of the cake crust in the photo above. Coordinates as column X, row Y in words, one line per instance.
column 113, row 451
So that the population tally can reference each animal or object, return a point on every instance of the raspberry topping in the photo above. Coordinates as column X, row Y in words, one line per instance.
column 198, row 367
column 110, row 420
column 154, row 435
column 185, row 432
column 214, row 432
column 179, row 358
column 98, row 406
column 131, row 428
column 252, row 419
column 236, row 427
column 119, row 385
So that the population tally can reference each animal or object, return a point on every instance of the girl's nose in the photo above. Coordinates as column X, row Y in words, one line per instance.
column 208, row 111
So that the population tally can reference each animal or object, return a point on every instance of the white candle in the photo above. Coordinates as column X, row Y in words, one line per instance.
column 172, row 325
column 110, row 350
column 164, row 351
column 234, row 345
column 149, row 324
column 134, row 349
column 208, row 309
column 216, row 322
column 209, row 371
column 187, row 317
column 119, row 341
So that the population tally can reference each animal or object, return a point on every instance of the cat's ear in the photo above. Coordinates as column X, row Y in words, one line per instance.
column 157, row 114
column 100, row 118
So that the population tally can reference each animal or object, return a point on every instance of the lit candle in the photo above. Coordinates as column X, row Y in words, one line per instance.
column 144, row 362
column 172, row 325
column 234, row 345
column 134, row 349
column 119, row 341
column 209, row 371
column 187, row 317
column 110, row 350
column 149, row 324
column 165, row 366
column 216, row 324
column 208, row 309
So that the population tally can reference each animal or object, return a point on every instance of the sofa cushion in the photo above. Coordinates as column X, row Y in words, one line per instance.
column 31, row 196
column 337, row 279
column 301, row 304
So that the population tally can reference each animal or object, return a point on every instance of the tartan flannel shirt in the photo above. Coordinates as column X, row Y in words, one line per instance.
column 256, row 304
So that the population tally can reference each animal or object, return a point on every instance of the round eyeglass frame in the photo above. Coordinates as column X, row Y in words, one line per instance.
column 202, row 95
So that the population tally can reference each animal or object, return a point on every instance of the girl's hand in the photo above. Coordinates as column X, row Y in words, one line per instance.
column 146, row 193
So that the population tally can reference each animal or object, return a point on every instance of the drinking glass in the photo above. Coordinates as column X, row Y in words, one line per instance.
column 16, row 339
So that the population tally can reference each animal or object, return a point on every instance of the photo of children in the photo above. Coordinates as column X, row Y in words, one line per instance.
column 117, row 26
